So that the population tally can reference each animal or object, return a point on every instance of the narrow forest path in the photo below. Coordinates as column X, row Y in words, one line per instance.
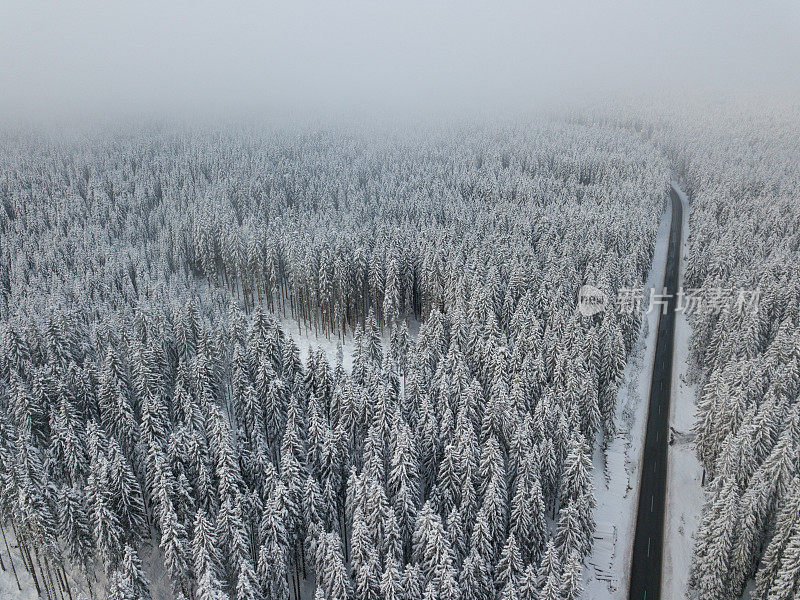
column 648, row 544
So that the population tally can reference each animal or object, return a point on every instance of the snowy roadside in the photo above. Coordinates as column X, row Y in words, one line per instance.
column 616, row 475
column 684, row 473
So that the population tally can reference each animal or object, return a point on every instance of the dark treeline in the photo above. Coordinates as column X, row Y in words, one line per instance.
column 149, row 397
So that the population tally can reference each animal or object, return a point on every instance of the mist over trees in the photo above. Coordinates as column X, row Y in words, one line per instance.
column 151, row 395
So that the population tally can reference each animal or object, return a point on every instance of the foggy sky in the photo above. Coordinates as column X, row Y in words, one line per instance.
column 266, row 56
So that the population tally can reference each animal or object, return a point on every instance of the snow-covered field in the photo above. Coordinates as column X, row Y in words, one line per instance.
column 616, row 475
column 684, row 473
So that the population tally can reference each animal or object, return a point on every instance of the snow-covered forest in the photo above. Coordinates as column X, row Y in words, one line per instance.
column 744, row 175
column 170, row 429
column 152, row 403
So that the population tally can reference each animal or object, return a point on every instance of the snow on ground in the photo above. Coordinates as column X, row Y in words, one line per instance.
column 8, row 582
column 616, row 474
column 8, row 585
column 684, row 473
column 306, row 339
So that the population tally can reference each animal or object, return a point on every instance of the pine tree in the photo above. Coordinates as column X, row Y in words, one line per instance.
column 787, row 522
column 549, row 574
column 391, row 586
column 571, row 577
column 131, row 569
column 273, row 570
column 108, row 531
column 509, row 567
column 576, row 475
column 528, row 589
column 75, row 528
column 332, row 578
column 115, row 407
column 206, row 556
column 175, row 545
column 247, row 587
column 528, row 513
column 403, row 482
column 209, row 588
column 714, row 543
column 233, row 536
column 430, row 548
column 124, row 489
column 787, row 580
column 118, row 588
column 475, row 579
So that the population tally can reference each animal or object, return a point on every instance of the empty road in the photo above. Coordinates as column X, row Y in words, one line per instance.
column 648, row 543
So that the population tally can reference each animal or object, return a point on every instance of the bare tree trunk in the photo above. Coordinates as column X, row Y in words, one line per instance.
column 345, row 539
column 26, row 559
column 44, row 579
column 53, row 586
column 296, row 576
column 66, row 582
column 32, row 571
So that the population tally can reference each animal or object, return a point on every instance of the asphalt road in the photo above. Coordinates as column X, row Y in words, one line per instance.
column 648, row 543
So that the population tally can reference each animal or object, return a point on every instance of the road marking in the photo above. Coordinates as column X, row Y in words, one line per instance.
column 658, row 435
column 651, row 503
column 648, row 545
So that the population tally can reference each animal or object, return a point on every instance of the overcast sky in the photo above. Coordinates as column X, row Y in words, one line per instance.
column 181, row 55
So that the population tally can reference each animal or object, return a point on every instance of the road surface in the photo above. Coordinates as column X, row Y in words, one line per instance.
column 648, row 542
